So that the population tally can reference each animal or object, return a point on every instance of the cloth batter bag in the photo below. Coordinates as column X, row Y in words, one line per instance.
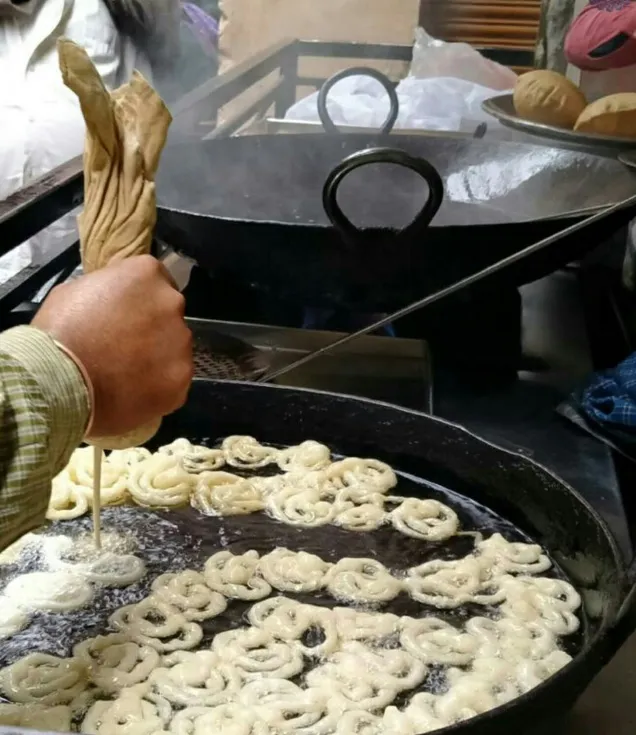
column 126, row 131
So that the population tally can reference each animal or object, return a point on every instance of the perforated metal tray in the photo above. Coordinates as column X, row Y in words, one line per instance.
column 385, row 368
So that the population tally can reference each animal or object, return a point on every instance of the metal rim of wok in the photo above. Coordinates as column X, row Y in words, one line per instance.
column 285, row 415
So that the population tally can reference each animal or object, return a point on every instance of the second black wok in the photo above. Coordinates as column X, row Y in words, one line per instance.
column 251, row 208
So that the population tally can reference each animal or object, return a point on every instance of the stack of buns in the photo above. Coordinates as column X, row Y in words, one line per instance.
column 549, row 98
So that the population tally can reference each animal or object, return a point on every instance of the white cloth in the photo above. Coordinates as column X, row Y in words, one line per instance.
column 40, row 119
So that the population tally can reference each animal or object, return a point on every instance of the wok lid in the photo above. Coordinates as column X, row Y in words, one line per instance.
column 279, row 178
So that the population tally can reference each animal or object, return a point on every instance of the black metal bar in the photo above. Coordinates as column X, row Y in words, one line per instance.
column 315, row 82
column 508, row 56
column 29, row 210
column 396, row 52
column 25, row 284
column 351, row 50
column 224, row 88
column 289, row 74
column 260, row 106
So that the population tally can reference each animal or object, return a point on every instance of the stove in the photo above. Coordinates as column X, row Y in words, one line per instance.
column 481, row 327
column 386, row 369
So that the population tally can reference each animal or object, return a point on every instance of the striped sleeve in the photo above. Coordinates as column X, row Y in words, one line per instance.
column 44, row 410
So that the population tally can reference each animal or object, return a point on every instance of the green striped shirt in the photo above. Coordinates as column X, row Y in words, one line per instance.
column 44, row 407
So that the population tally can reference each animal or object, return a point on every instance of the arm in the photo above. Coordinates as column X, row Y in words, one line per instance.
column 131, row 363
column 44, row 411
column 602, row 36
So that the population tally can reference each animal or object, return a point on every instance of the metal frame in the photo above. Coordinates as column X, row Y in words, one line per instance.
column 26, row 213
column 30, row 210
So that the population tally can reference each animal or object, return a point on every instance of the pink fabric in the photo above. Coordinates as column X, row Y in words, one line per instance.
column 598, row 23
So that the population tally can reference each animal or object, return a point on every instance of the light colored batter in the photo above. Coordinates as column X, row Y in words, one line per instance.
column 224, row 494
column 152, row 674
column 311, row 490
column 72, row 568
column 97, row 494
column 294, row 571
column 149, row 677
column 236, row 577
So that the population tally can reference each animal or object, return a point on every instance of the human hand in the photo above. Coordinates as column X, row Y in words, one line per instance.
column 125, row 325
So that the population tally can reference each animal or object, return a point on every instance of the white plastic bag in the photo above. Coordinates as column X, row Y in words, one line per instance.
column 425, row 104
column 434, row 58
column 358, row 101
column 445, row 90
column 456, row 102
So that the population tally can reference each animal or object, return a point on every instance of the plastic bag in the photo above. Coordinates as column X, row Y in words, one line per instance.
column 447, row 85
column 433, row 58
column 358, row 101
column 444, row 104
column 454, row 102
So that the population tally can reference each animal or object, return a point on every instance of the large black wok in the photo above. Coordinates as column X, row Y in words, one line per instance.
column 491, row 489
column 250, row 210
column 518, row 489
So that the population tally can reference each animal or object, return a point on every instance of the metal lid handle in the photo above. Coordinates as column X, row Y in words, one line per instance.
column 323, row 112
column 350, row 232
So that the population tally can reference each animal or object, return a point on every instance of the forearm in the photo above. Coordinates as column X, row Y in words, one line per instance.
column 44, row 409
column 603, row 38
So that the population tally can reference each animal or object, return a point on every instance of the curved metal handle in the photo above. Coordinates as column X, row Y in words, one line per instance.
column 628, row 158
column 329, row 125
column 352, row 234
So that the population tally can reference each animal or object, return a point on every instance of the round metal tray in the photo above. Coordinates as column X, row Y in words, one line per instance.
column 502, row 108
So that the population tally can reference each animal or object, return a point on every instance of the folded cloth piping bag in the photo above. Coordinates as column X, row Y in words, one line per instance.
column 126, row 131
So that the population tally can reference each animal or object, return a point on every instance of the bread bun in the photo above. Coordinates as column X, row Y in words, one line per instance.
column 613, row 115
column 548, row 98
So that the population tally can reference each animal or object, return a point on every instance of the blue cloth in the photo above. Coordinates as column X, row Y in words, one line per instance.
column 609, row 399
column 606, row 407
